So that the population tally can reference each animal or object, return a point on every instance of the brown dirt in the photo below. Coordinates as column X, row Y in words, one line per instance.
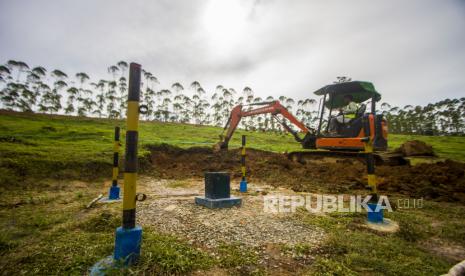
column 415, row 148
column 444, row 181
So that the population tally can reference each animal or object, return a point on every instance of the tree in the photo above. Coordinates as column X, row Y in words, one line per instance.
column 55, row 96
column 110, row 96
column 5, row 77
column 342, row 79
column 181, row 102
column 72, row 95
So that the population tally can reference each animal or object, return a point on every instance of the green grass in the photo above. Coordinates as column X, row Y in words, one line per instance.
column 56, row 235
column 47, row 230
column 451, row 147
column 351, row 249
column 35, row 145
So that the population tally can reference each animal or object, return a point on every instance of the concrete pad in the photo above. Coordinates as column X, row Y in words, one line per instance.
column 107, row 200
column 387, row 226
column 218, row 202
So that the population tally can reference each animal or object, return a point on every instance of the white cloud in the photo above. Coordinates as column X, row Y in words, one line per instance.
column 412, row 51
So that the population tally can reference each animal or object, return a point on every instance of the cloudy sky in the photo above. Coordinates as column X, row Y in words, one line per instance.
column 413, row 51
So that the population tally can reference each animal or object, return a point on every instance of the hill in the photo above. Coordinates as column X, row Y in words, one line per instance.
column 55, row 146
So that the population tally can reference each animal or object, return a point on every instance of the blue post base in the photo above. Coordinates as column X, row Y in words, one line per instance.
column 127, row 244
column 114, row 193
column 127, row 252
column 219, row 202
column 373, row 216
column 243, row 186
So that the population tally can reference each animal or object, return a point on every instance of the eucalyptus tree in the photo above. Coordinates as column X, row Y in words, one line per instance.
column 202, row 105
column 28, row 96
column 123, row 66
column 113, row 70
column 5, row 74
column 186, row 109
column 245, row 98
column 341, row 79
column 205, row 116
column 269, row 120
column 57, row 87
column 5, row 92
column 150, row 94
column 54, row 100
column 11, row 97
column 248, row 92
column 101, row 98
column 89, row 104
column 197, row 95
column 122, row 88
column 177, row 107
column 310, row 117
column 20, row 67
column 181, row 102
column 289, row 104
column 226, row 104
column 35, row 78
column 163, row 106
column 144, row 84
column 47, row 99
column 72, row 94
column 122, row 97
column 215, row 109
column 150, row 101
column 111, row 98
column 81, row 97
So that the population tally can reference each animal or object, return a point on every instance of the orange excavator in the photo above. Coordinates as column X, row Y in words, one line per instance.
column 349, row 138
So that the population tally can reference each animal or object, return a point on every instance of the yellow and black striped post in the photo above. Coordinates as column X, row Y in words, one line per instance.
column 375, row 213
column 114, row 189
column 371, row 167
column 129, row 236
column 243, row 184
column 130, row 165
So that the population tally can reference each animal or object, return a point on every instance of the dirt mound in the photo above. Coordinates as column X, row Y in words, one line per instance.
column 415, row 148
column 443, row 181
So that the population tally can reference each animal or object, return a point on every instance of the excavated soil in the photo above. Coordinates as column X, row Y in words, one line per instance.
column 442, row 181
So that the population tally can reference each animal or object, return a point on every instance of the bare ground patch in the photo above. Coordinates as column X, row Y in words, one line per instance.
column 172, row 210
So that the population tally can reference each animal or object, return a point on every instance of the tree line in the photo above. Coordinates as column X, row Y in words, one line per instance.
column 35, row 89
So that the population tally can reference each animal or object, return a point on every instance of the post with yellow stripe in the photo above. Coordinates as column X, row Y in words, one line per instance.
column 129, row 235
column 114, row 189
column 243, row 184
column 375, row 214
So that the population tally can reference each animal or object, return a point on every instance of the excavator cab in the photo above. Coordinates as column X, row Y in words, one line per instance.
column 349, row 134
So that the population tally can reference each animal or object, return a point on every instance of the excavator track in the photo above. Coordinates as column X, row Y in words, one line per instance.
column 381, row 158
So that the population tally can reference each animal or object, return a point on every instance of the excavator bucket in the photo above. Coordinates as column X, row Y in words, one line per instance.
column 221, row 145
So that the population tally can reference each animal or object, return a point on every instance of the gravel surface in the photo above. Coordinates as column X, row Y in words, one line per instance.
column 173, row 211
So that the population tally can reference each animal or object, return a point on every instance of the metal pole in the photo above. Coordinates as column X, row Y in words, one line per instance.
column 374, row 215
column 130, row 164
column 243, row 184
column 114, row 189
column 321, row 115
column 129, row 236
column 371, row 167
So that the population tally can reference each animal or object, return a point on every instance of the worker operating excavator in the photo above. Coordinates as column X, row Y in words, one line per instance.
column 346, row 114
column 354, row 124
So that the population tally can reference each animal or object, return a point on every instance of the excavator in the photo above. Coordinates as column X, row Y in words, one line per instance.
column 349, row 139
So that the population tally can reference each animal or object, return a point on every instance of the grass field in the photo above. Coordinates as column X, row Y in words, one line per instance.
column 51, row 166
column 70, row 147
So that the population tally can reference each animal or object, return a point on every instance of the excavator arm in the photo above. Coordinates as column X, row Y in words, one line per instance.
column 274, row 108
